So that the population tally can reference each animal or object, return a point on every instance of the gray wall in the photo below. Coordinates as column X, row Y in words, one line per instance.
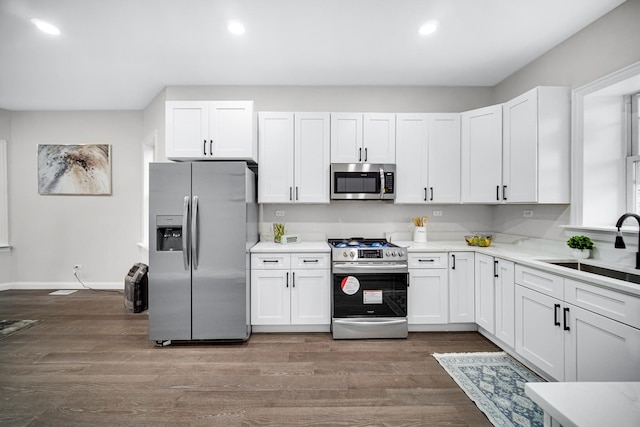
column 607, row 45
column 51, row 233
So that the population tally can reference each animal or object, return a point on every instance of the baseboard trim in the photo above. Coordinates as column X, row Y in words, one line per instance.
column 60, row 285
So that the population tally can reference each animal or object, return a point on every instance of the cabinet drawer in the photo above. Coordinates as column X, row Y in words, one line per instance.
column 271, row 261
column 614, row 305
column 428, row 260
column 540, row 281
column 310, row 261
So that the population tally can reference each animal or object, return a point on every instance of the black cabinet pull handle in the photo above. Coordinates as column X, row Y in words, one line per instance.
column 425, row 194
column 287, row 279
column 293, row 280
column 495, row 268
column 556, row 322
column 365, row 154
column 427, row 260
column 431, row 198
column 296, row 192
column 270, row 261
column 204, row 147
column 290, row 193
column 359, row 154
column 504, row 192
column 453, row 259
column 311, row 260
column 566, row 320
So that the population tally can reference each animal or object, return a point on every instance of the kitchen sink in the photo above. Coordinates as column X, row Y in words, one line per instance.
column 600, row 271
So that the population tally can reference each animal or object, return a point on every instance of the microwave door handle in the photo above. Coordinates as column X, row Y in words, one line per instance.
column 382, row 183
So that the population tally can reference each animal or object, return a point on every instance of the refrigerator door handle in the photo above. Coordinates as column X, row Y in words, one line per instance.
column 185, row 234
column 194, row 233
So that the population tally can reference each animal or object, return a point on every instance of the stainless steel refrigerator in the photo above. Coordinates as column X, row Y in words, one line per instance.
column 203, row 219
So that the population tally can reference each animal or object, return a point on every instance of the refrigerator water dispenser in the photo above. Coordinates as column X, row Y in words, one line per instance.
column 169, row 232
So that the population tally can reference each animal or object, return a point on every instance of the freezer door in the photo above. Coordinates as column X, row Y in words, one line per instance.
column 219, row 283
column 169, row 261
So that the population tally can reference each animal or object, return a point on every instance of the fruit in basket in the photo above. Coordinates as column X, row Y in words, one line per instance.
column 484, row 241
column 471, row 240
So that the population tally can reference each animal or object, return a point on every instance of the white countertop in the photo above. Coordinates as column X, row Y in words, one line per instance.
column 309, row 247
column 530, row 257
column 589, row 404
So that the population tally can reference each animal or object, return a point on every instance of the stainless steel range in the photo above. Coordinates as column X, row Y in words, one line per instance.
column 369, row 291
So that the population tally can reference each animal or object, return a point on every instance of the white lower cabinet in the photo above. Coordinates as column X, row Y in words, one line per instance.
column 461, row 287
column 576, row 340
column 290, row 289
column 428, row 296
column 494, row 297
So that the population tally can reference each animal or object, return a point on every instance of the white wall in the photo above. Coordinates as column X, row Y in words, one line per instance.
column 51, row 233
column 5, row 256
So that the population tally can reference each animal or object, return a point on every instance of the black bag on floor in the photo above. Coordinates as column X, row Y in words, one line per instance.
column 136, row 288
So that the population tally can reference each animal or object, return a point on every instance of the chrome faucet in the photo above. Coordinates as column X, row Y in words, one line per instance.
column 620, row 242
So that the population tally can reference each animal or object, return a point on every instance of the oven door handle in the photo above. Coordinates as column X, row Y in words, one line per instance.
column 368, row 322
column 357, row 268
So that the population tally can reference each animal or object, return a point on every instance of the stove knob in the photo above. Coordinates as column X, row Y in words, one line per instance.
column 400, row 253
column 388, row 253
column 352, row 254
column 344, row 254
column 393, row 253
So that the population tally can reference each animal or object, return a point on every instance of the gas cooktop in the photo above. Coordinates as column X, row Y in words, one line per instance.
column 361, row 243
column 357, row 249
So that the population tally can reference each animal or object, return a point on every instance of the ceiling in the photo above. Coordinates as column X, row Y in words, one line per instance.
column 119, row 54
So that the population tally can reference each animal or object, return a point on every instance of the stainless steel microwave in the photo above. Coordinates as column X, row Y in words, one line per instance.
column 363, row 181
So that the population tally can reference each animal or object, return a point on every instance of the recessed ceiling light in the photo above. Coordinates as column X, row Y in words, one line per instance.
column 236, row 27
column 46, row 27
column 428, row 28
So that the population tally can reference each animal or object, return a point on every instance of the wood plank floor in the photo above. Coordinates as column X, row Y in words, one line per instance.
column 90, row 363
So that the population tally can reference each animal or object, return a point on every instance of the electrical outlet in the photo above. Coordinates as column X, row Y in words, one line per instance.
column 527, row 213
column 77, row 267
column 279, row 213
column 437, row 213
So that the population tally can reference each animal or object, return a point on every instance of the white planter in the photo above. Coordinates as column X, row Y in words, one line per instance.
column 581, row 253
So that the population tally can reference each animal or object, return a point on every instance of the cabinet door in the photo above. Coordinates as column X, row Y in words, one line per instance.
column 444, row 158
column 428, row 299
column 485, row 292
column 270, row 297
column 379, row 138
column 346, row 138
column 276, row 157
column 600, row 349
column 505, row 301
column 187, row 129
column 232, row 130
column 312, row 149
column 461, row 287
column 520, row 148
column 482, row 155
column 310, row 297
column 411, row 158
column 539, row 334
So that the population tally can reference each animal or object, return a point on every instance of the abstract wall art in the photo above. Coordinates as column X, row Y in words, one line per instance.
column 83, row 169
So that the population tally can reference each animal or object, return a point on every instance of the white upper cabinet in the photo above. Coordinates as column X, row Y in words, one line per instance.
column 518, row 152
column 294, row 157
column 428, row 158
column 210, row 130
column 482, row 155
column 536, row 143
column 363, row 138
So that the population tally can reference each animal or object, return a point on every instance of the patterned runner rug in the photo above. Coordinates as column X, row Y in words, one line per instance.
column 10, row 327
column 495, row 382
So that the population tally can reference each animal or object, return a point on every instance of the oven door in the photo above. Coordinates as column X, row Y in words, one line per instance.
column 369, row 290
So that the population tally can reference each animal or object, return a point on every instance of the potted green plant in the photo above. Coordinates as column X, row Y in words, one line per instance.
column 580, row 246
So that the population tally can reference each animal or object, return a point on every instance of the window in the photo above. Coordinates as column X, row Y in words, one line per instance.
column 606, row 157
column 633, row 161
column 4, row 198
